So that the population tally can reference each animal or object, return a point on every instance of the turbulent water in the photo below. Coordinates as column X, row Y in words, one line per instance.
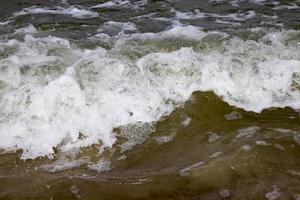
column 171, row 99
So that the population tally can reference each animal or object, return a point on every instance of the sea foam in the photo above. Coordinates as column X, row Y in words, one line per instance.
column 55, row 94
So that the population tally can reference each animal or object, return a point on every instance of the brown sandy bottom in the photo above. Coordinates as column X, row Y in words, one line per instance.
column 204, row 150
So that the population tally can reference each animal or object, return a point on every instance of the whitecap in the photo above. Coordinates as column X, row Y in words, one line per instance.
column 74, row 11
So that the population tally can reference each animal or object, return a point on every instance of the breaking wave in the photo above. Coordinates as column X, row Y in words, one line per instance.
column 55, row 93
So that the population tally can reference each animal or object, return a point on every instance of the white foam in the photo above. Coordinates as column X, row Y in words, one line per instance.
column 165, row 138
column 261, row 143
column 122, row 3
column 101, row 166
column 246, row 148
column 186, row 121
column 248, row 132
column 259, row 2
column 234, row 115
column 26, row 30
column 195, row 167
column 197, row 14
column 109, row 4
column 119, row 26
column 227, row 22
column 136, row 133
column 216, row 154
column 236, row 16
column 270, row 16
column 283, row 130
column 189, row 15
column 213, row 137
column 64, row 164
column 225, row 193
column 74, row 11
column 4, row 23
column 234, row 19
column 291, row 6
column 274, row 194
column 52, row 91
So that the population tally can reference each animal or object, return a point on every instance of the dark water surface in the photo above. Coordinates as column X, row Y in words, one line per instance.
column 150, row 99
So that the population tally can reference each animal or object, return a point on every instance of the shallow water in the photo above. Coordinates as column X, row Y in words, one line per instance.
column 150, row 99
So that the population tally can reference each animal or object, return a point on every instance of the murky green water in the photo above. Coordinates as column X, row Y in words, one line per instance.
column 248, row 167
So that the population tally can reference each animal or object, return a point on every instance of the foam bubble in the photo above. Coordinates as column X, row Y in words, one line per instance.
column 4, row 23
column 165, row 138
column 100, row 166
column 291, row 6
column 186, row 121
column 236, row 16
column 122, row 3
column 259, row 2
column 274, row 194
column 189, row 15
column 64, row 164
column 213, row 137
column 117, row 27
column 248, row 132
column 195, row 167
column 234, row 115
column 112, row 4
column 216, row 154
